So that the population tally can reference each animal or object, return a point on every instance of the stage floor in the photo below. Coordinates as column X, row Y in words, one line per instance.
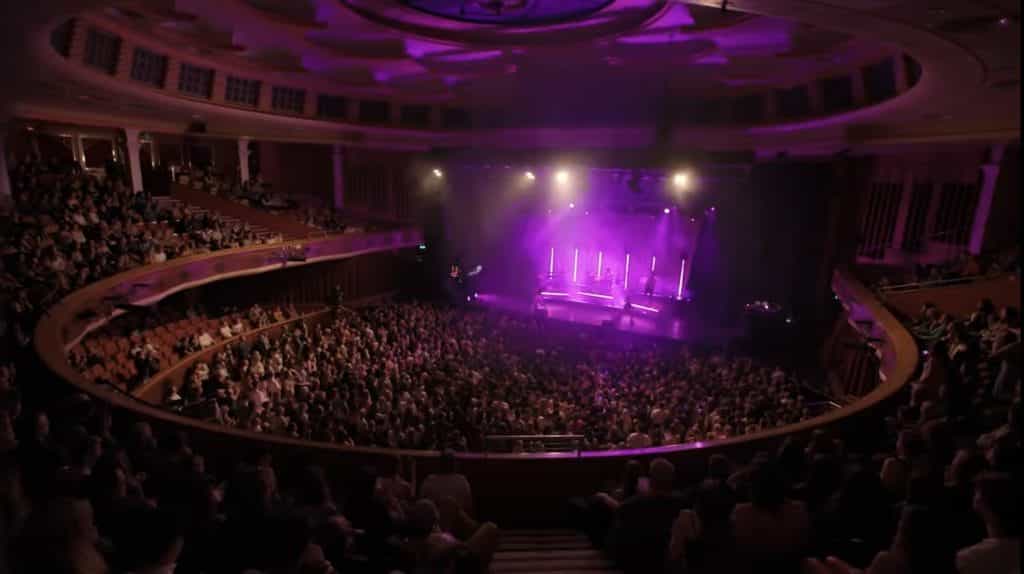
column 640, row 321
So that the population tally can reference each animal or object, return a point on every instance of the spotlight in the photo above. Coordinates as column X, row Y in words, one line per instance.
column 438, row 173
column 562, row 177
column 572, row 206
column 680, row 180
column 529, row 176
column 712, row 208
column 667, row 210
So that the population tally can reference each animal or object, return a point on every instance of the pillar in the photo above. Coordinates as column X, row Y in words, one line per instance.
column 243, row 159
column 6, row 199
column 989, row 175
column 77, row 149
column 338, row 163
column 859, row 94
column 131, row 136
column 903, row 212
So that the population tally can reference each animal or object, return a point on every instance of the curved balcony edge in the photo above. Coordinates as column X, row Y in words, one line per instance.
column 897, row 349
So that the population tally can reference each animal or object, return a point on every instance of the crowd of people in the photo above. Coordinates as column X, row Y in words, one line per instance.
column 70, row 229
column 943, row 497
column 83, row 496
column 963, row 266
column 152, row 339
column 419, row 376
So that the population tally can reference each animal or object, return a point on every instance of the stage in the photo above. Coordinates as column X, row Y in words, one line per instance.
column 648, row 316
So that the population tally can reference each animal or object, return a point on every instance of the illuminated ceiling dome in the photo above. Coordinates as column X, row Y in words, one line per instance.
column 509, row 12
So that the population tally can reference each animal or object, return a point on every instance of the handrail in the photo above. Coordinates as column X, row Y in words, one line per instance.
column 934, row 283
column 899, row 356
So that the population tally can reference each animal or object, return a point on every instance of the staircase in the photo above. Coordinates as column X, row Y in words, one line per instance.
column 288, row 228
column 169, row 202
column 548, row 552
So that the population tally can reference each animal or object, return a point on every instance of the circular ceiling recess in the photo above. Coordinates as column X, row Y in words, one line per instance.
column 509, row 12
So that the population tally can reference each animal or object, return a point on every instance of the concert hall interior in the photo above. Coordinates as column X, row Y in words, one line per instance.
column 510, row 287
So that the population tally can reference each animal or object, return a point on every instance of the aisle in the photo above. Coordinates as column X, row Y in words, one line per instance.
column 548, row 552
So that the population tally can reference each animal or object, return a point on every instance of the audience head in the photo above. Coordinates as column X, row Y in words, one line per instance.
column 767, row 487
column 997, row 500
column 662, row 474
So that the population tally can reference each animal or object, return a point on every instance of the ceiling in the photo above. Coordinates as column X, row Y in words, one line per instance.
column 621, row 60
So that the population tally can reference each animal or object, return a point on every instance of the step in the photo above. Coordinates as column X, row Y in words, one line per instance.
column 519, row 546
column 538, row 554
column 542, row 565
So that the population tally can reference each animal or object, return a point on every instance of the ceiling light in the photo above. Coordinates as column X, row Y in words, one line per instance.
column 562, row 177
column 438, row 173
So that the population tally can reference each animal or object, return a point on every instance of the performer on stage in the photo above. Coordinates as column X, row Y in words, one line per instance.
column 649, row 285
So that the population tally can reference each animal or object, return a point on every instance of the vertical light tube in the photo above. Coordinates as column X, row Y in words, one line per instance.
column 625, row 280
column 682, row 273
column 575, row 263
column 600, row 256
column 654, row 260
column 551, row 263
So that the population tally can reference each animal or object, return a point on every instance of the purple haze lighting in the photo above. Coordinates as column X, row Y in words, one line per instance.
column 600, row 256
column 654, row 259
column 551, row 262
column 625, row 279
column 598, row 295
column 575, row 263
column 667, row 210
column 682, row 273
column 645, row 308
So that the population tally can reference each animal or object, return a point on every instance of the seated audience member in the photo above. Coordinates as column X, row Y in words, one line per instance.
column 771, row 530
column 59, row 537
column 855, row 524
column 642, row 524
column 433, row 550
column 146, row 541
column 921, row 545
column 997, row 500
column 910, row 459
column 284, row 545
column 447, row 487
column 702, row 539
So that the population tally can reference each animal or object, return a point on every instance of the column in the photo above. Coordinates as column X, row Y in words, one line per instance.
column 131, row 136
column 77, row 149
column 859, row 95
column 989, row 175
column 906, row 191
column 243, row 159
column 899, row 70
column 6, row 199
column 338, row 162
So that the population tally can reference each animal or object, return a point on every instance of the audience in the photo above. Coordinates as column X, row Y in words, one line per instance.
column 377, row 378
column 70, row 229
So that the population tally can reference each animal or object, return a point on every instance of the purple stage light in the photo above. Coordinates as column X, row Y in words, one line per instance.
column 553, row 294
column 667, row 210
column 625, row 279
column 551, row 262
column 682, row 273
column 600, row 256
column 654, row 259
column 572, row 206
column 575, row 263
column 645, row 308
column 598, row 295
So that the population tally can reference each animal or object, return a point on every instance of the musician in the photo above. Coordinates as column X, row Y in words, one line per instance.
column 649, row 285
